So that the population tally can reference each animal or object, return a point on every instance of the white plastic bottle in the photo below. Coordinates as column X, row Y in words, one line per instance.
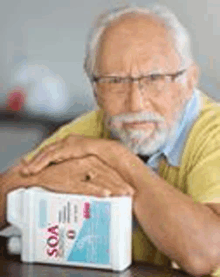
column 70, row 229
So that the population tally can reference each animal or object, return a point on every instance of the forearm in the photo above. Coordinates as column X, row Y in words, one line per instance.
column 185, row 231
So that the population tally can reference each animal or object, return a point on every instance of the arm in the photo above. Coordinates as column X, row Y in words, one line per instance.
column 185, row 231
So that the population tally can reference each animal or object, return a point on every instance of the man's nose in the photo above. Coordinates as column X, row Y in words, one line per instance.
column 138, row 99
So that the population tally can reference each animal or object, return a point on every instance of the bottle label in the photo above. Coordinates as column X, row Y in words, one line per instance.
column 73, row 229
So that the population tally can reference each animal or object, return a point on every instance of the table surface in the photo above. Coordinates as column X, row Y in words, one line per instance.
column 12, row 266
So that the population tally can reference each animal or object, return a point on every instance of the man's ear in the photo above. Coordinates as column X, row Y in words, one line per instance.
column 193, row 76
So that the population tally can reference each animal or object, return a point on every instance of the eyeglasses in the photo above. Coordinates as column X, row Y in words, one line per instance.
column 121, row 85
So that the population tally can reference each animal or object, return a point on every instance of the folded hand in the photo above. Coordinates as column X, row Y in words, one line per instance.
column 111, row 152
column 87, row 175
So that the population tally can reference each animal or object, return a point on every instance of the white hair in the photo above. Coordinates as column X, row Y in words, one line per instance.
column 181, row 38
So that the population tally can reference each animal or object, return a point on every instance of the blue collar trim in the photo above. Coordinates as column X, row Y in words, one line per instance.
column 173, row 150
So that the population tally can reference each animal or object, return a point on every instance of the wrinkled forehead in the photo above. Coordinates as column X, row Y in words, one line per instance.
column 136, row 43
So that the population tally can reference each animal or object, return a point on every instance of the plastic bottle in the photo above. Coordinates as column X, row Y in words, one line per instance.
column 70, row 229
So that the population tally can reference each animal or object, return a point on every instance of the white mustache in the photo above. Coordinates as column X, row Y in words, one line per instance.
column 141, row 117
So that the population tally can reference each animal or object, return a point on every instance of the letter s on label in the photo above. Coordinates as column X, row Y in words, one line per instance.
column 52, row 252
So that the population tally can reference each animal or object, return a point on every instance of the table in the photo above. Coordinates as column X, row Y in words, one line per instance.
column 12, row 266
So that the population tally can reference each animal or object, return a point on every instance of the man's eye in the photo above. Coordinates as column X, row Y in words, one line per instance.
column 115, row 80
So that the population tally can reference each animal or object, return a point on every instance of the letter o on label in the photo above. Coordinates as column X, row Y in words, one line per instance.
column 71, row 234
column 51, row 243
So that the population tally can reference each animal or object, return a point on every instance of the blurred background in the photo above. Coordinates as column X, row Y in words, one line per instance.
column 42, row 43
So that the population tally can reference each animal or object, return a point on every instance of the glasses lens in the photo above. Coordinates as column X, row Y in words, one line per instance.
column 112, row 92
column 154, row 82
column 110, row 87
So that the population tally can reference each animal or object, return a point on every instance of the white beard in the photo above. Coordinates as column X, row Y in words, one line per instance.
column 141, row 142
column 138, row 142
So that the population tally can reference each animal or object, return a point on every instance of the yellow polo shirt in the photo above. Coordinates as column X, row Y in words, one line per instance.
column 197, row 176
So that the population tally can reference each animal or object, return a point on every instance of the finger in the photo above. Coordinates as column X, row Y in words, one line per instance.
column 54, row 152
column 39, row 153
column 114, row 183
column 107, row 176
column 22, row 165
column 87, row 188
column 116, row 189
column 42, row 159
column 118, row 182
column 111, row 151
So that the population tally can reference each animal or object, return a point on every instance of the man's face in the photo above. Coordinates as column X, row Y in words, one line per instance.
column 142, row 119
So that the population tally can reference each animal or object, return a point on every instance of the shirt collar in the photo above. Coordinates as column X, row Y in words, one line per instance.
column 175, row 146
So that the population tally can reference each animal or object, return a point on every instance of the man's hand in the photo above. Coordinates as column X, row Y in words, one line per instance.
column 87, row 175
column 111, row 152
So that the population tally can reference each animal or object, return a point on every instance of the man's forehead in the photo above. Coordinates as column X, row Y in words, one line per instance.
column 140, row 41
column 135, row 27
column 135, row 69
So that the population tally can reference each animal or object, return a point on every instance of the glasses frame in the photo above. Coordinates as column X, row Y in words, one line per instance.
column 151, row 77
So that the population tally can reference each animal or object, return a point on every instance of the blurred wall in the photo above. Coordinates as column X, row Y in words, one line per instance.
column 48, row 36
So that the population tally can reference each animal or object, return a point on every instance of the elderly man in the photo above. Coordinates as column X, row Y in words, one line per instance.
column 155, row 137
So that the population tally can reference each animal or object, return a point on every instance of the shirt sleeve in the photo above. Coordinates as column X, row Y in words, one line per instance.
column 204, row 179
column 203, row 183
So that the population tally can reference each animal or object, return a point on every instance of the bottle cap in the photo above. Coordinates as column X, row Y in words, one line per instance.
column 14, row 245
